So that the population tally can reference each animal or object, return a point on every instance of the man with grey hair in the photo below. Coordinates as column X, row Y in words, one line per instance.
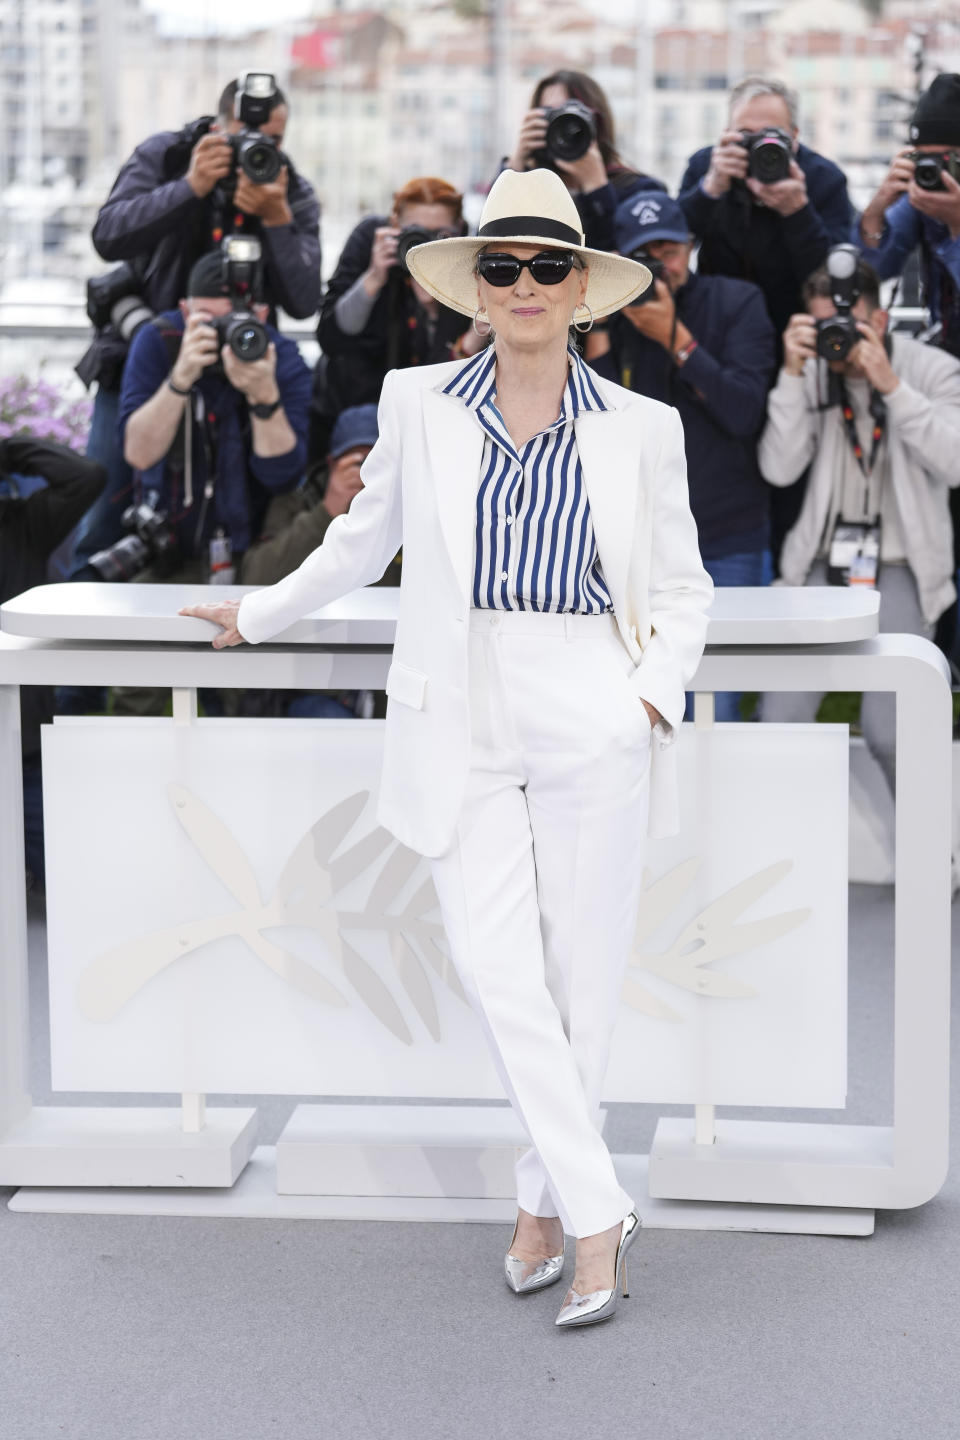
column 774, row 232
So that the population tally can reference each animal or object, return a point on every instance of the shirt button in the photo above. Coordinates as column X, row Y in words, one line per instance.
column 509, row 519
column 503, row 574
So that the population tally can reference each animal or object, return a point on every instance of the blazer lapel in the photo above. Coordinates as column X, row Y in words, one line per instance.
column 609, row 447
column 455, row 451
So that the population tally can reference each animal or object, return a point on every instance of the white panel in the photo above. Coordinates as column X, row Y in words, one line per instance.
column 194, row 947
column 737, row 990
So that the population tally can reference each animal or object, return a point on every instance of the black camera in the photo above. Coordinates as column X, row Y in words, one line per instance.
column 769, row 153
column 928, row 169
column 412, row 235
column 837, row 334
column 150, row 540
column 240, row 328
column 258, row 156
column 571, row 130
column 114, row 299
column 658, row 271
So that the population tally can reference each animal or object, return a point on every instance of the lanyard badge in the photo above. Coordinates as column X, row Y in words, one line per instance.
column 854, row 557
column 854, row 554
column 222, row 569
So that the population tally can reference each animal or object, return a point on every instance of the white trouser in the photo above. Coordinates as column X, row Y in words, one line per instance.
column 540, row 887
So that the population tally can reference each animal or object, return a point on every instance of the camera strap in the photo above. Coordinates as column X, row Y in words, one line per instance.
column 878, row 410
column 854, row 549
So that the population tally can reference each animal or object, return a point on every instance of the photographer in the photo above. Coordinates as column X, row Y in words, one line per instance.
column 296, row 524
column 773, row 232
column 569, row 128
column 240, row 425
column 704, row 344
column 213, row 435
column 922, row 207
column 375, row 316
column 170, row 204
column 766, row 208
column 878, row 422
column 31, row 528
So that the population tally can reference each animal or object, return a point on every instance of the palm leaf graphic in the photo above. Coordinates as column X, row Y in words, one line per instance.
column 714, row 935
column 661, row 899
column 400, row 865
column 415, row 981
column 374, row 993
column 217, row 846
column 423, row 901
column 353, row 862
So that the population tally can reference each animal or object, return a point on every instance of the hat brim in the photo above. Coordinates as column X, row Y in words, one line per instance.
column 680, row 236
column 445, row 270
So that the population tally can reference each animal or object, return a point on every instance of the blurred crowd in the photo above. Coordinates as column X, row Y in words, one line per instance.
column 821, row 445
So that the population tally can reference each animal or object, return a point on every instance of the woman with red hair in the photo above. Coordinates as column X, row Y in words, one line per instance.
column 375, row 317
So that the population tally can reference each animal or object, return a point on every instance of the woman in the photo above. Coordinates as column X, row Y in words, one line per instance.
column 375, row 317
column 552, row 609
column 599, row 180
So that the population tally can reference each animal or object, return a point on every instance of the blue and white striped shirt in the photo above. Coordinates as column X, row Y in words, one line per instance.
column 535, row 546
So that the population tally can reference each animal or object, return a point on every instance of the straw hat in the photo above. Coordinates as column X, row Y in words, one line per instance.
column 529, row 207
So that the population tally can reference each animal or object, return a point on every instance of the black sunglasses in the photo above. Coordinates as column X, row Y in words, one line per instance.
column 547, row 268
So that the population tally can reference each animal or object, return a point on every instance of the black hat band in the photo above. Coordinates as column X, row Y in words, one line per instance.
column 534, row 225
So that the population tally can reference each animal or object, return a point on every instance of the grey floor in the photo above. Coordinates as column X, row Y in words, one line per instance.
column 164, row 1329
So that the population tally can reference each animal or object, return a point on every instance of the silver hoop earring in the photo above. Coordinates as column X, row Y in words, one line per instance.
column 582, row 329
column 482, row 333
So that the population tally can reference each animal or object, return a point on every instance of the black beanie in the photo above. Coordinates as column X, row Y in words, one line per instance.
column 936, row 120
column 207, row 277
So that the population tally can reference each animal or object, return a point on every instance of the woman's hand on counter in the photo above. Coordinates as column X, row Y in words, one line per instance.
column 225, row 615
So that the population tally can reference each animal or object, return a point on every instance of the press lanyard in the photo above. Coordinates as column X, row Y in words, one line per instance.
column 879, row 412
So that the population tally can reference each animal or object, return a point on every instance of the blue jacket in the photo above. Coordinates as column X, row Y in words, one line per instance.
column 752, row 242
column 906, row 228
column 721, row 394
column 244, row 481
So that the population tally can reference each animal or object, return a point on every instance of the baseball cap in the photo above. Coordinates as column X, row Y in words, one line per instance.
column 357, row 425
column 646, row 216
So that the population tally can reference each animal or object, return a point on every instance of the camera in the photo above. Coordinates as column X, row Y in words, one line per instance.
column 412, row 235
column 658, row 271
column 837, row 334
column 240, row 328
column 150, row 539
column 571, row 130
column 114, row 299
column 769, row 154
column 258, row 156
column 928, row 169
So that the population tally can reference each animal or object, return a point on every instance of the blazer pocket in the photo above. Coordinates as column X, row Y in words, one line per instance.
column 406, row 685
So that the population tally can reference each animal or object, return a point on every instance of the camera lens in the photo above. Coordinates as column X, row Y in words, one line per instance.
column 570, row 131
column 121, row 561
column 260, row 160
column 927, row 172
column 129, row 314
column 836, row 338
column 769, row 160
column 246, row 337
column 568, row 138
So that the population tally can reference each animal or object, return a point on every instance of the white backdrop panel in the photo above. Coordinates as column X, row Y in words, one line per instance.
column 225, row 916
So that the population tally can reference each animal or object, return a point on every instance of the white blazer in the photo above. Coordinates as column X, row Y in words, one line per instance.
column 420, row 486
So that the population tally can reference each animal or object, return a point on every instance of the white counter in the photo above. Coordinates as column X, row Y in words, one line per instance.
column 774, row 615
